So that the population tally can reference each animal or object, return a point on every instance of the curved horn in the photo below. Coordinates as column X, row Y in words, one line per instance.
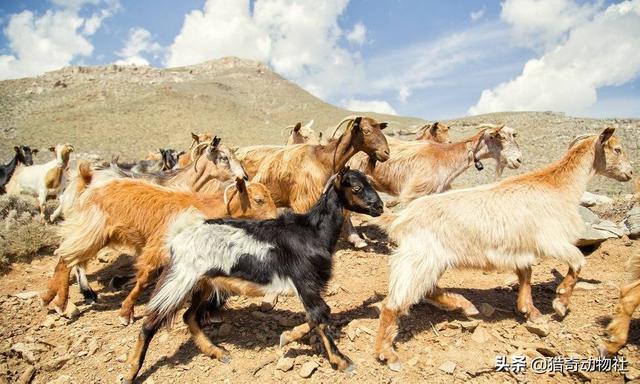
column 348, row 118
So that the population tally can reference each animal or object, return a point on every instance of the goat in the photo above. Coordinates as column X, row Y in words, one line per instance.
column 290, row 254
column 215, row 166
column 167, row 161
column 24, row 155
column 436, row 132
column 618, row 329
column 302, row 135
column 504, row 225
column 42, row 180
column 170, row 158
column 135, row 213
column 422, row 168
column 196, row 138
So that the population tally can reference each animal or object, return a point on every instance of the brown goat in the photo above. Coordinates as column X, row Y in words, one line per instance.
column 436, row 132
column 296, row 175
column 196, row 138
column 136, row 213
column 618, row 329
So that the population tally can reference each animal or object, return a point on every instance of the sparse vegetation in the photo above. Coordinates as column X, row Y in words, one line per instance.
column 23, row 234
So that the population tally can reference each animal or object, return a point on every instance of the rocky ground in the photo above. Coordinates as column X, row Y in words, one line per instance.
column 436, row 346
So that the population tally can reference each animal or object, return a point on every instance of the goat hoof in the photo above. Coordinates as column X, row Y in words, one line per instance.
column 225, row 359
column 283, row 340
column 471, row 311
column 90, row 297
column 603, row 352
column 125, row 320
column 350, row 368
column 395, row 367
column 360, row 244
column 559, row 307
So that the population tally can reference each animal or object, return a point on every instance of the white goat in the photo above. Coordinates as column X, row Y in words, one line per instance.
column 504, row 225
column 43, row 180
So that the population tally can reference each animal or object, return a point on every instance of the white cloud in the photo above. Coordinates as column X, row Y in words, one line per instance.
column 377, row 106
column 139, row 41
column 404, row 93
column 358, row 35
column 539, row 23
column 477, row 15
column 49, row 41
column 600, row 52
column 299, row 39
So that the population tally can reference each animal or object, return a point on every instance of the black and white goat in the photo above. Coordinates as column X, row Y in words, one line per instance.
column 292, row 254
column 24, row 155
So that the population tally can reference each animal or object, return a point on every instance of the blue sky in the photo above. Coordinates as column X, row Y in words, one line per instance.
column 431, row 59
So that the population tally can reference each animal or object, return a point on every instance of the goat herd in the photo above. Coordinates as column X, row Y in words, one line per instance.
column 208, row 218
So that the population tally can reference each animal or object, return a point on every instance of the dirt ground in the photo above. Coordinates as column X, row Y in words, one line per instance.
column 93, row 347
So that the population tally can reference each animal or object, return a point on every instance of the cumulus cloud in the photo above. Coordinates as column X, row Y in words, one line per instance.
column 358, row 35
column 404, row 93
column 477, row 15
column 377, row 106
column 602, row 51
column 139, row 42
column 40, row 43
column 540, row 24
column 299, row 39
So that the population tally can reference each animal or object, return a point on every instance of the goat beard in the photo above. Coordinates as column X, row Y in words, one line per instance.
column 371, row 164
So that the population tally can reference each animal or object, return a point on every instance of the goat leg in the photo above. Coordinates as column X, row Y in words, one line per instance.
column 564, row 292
column 89, row 294
column 336, row 358
column 387, row 332
column 350, row 233
column 125, row 315
column 450, row 301
column 139, row 352
column 525, row 299
column 191, row 318
column 58, row 287
column 294, row 334
column 618, row 329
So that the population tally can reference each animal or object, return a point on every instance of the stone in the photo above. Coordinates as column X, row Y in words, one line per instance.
column 307, row 369
column 590, row 199
column 593, row 236
column 62, row 379
column 537, row 329
column 27, row 351
column 470, row 325
column 26, row 295
column 285, row 364
column 632, row 221
column 632, row 374
column 447, row 367
column 49, row 321
column 606, row 225
column 122, row 358
column 587, row 215
column 27, row 375
column 225, row 329
column 583, row 285
column 71, row 311
column 486, row 310
column 480, row 335
column 93, row 346
column 57, row 363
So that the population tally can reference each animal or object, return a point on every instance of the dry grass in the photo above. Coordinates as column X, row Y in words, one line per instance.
column 23, row 234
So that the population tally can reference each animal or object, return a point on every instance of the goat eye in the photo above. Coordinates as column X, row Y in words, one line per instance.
column 366, row 132
column 356, row 189
column 617, row 150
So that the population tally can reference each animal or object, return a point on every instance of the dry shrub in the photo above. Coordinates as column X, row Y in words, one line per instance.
column 23, row 234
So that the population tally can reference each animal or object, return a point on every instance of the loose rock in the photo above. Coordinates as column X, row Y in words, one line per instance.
column 27, row 375
column 486, row 310
column 285, row 364
column 537, row 329
column 307, row 369
column 447, row 367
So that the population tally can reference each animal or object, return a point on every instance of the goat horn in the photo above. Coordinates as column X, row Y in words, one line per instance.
column 348, row 118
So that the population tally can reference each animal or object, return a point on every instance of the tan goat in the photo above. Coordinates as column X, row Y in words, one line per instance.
column 505, row 225
column 436, row 132
column 136, row 213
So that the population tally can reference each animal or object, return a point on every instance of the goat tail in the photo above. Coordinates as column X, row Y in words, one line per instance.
column 85, row 175
column 183, row 273
column 633, row 266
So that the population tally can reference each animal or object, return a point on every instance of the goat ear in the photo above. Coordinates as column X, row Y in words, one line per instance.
column 195, row 137
column 297, row 127
column 16, row 148
column 606, row 134
column 434, row 127
column 52, row 149
column 383, row 125
column 356, row 122
column 34, row 151
column 215, row 142
column 240, row 185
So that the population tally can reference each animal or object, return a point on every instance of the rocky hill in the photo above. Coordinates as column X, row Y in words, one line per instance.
column 129, row 110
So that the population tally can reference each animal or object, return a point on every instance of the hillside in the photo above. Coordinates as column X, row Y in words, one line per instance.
column 129, row 110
